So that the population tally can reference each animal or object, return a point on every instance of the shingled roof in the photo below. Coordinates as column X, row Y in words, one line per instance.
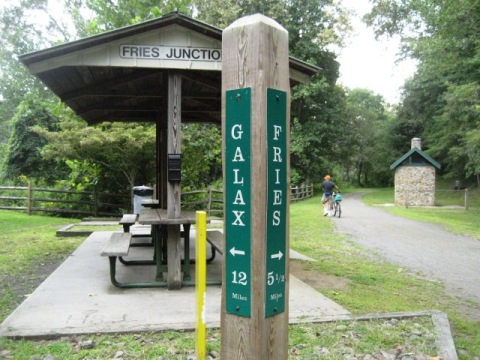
column 415, row 157
column 99, row 85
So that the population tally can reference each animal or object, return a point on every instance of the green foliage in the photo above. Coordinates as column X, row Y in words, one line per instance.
column 112, row 156
column 110, row 15
column 472, row 140
column 364, row 147
column 24, row 156
column 201, row 155
column 453, row 135
column 317, row 22
column 295, row 178
column 83, row 174
column 316, row 108
column 318, row 123
column 440, row 102
column 21, row 33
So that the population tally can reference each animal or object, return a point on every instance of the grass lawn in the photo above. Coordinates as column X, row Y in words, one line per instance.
column 358, row 283
column 29, row 251
column 449, row 212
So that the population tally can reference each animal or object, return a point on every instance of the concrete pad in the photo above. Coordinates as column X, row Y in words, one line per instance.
column 78, row 298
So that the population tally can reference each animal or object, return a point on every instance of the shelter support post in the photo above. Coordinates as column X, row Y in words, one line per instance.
column 173, row 188
column 161, row 154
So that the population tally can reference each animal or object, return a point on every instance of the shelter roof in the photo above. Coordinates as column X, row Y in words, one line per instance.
column 122, row 75
column 415, row 157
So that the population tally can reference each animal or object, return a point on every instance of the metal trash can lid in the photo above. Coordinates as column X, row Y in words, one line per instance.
column 142, row 190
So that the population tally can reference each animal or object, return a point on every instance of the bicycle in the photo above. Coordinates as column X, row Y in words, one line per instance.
column 337, row 207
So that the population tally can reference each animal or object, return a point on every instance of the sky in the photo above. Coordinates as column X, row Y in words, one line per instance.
column 370, row 64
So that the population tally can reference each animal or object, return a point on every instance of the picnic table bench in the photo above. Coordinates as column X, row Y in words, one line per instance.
column 127, row 221
column 117, row 246
column 216, row 239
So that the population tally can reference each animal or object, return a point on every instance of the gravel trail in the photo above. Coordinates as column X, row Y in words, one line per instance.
column 420, row 247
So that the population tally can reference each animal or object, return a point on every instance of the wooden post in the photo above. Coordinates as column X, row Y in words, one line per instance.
column 96, row 201
column 466, row 199
column 173, row 188
column 209, row 201
column 30, row 198
column 162, row 150
column 255, row 126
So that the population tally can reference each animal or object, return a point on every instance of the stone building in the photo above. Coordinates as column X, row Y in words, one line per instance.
column 415, row 177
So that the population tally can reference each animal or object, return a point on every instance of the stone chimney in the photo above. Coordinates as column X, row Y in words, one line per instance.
column 416, row 143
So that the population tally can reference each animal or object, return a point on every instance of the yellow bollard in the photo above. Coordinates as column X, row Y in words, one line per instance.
column 200, row 282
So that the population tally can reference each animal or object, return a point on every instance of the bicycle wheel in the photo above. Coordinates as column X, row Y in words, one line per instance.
column 335, row 207
column 338, row 209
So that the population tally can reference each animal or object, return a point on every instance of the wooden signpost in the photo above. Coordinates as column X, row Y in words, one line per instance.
column 256, row 136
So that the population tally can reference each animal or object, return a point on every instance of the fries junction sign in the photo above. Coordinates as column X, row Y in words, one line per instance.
column 170, row 53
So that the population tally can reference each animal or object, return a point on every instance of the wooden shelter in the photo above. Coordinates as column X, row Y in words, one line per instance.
column 166, row 71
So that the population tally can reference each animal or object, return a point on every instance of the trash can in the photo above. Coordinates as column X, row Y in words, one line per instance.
column 140, row 193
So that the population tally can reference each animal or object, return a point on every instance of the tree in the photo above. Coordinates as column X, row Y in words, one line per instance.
column 440, row 101
column 201, row 155
column 472, row 139
column 453, row 135
column 365, row 149
column 313, row 26
column 109, row 15
column 21, row 33
column 317, row 124
column 121, row 155
column 24, row 157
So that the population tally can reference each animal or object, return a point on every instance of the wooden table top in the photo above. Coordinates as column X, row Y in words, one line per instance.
column 159, row 217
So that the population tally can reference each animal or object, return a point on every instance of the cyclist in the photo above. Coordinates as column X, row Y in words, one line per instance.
column 328, row 185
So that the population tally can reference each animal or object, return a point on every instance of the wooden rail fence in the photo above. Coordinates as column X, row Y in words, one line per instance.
column 95, row 203
column 301, row 192
column 67, row 202
column 212, row 200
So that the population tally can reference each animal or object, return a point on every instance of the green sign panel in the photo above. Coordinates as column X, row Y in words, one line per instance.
column 238, row 202
column 277, row 194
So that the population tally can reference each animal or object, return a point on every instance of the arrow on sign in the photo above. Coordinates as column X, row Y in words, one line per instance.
column 234, row 252
column 277, row 256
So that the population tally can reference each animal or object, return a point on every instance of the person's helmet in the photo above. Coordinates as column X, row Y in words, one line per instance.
column 327, row 177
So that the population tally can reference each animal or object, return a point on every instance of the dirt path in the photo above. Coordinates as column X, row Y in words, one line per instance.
column 422, row 248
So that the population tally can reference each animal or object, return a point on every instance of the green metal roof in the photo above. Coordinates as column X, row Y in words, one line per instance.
column 411, row 158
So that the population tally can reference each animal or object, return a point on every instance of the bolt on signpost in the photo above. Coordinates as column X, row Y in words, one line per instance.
column 255, row 125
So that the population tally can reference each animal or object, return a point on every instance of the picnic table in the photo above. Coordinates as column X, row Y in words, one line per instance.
column 150, row 203
column 166, row 236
